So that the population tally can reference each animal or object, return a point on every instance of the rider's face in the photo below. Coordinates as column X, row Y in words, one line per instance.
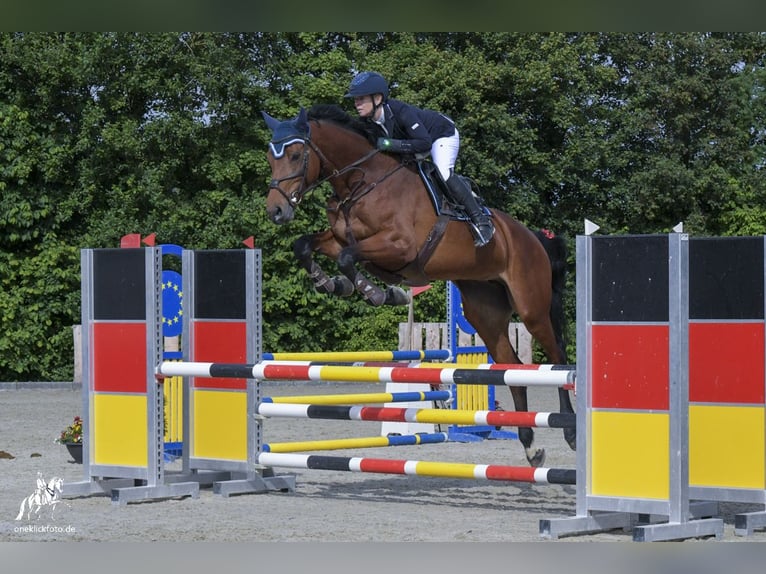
column 364, row 105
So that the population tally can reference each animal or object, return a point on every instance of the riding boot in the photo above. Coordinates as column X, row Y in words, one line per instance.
column 461, row 192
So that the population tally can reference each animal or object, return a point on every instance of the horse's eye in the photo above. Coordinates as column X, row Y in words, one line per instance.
column 296, row 156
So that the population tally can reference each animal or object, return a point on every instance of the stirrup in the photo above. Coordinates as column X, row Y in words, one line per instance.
column 482, row 232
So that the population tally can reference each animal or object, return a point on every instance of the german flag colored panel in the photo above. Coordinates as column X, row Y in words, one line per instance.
column 120, row 428
column 726, row 278
column 220, row 425
column 726, row 447
column 630, row 455
column 630, row 279
column 119, row 357
column 220, row 342
column 119, row 284
column 630, row 367
column 220, row 284
column 726, row 363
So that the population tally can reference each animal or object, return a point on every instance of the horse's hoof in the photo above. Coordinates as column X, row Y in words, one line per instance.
column 536, row 459
column 570, row 435
column 397, row 296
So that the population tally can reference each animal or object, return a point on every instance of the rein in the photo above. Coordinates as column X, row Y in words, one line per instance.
column 297, row 196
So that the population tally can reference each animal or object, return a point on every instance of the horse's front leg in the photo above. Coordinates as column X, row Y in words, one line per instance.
column 372, row 293
column 324, row 242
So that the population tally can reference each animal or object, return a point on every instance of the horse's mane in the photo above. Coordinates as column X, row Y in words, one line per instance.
column 338, row 116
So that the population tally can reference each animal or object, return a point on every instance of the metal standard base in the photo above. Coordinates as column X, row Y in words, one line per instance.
column 457, row 436
column 201, row 477
column 256, row 484
column 645, row 528
column 125, row 490
column 746, row 523
column 503, row 435
column 601, row 522
column 679, row 530
column 95, row 487
column 454, row 436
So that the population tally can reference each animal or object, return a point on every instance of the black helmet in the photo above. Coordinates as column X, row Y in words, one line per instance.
column 366, row 84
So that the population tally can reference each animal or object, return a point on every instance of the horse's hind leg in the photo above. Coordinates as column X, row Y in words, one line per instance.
column 565, row 406
column 540, row 326
column 487, row 307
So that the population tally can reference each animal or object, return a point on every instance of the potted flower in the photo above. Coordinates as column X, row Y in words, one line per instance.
column 71, row 438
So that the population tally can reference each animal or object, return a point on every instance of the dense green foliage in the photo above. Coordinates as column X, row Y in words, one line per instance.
column 107, row 134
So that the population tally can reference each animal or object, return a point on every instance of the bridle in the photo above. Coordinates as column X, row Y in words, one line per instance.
column 325, row 166
column 296, row 196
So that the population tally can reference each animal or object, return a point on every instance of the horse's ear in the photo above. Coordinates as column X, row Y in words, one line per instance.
column 270, row 122
column 302, row 121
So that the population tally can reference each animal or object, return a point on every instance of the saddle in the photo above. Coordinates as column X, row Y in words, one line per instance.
column 446, row 209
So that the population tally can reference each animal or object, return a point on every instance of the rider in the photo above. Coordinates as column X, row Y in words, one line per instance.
column 411, row 130
column 40, row 483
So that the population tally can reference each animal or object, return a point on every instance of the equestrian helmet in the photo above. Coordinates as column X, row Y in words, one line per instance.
column 366, row 84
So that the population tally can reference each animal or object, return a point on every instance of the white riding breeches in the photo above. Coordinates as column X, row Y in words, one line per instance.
column 444, row 153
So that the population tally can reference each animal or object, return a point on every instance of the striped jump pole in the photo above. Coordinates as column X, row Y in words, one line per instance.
column 354, row 356
column 363, row 398
column 413, row 415
column 360, row 442
column 413, row 467
column 510, row 375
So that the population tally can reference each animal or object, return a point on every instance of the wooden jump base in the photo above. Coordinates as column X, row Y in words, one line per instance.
column 411, row 415
column 421, row 468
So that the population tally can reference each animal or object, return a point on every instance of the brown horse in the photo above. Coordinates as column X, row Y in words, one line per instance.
column 382, row 220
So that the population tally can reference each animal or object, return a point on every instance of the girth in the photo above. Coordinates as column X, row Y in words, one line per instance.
column 416, row 268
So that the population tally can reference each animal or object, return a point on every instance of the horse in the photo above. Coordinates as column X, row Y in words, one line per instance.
column 383, row 226
column 45, row 495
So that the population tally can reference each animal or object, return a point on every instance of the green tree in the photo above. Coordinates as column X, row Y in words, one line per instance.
column 104, row 134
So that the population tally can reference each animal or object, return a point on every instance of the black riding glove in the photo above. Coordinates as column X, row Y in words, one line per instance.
column 395, row 146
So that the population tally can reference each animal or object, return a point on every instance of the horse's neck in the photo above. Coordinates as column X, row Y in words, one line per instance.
column 348, row 153
column 341, row 147
column 53, row 487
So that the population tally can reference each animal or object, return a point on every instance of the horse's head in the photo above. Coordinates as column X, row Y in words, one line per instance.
column 293, row 167
column 302, row 158
column 55, row 486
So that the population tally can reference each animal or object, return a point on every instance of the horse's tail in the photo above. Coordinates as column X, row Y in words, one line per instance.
column 556, row 248
column 21, row 509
